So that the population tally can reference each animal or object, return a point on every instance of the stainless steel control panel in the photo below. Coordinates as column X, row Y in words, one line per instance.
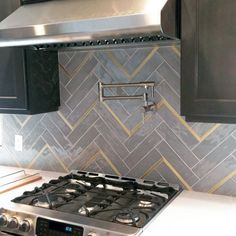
column 14, row 222
column 24, row 224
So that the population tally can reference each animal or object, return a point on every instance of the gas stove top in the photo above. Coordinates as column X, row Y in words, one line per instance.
column 84, row 203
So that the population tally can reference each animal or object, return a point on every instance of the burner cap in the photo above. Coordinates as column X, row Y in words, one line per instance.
column 146, row 204
column 127, row 217
column 85, row 210
column 70, row 190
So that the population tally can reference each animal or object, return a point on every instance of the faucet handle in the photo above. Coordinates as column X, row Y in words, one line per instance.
column 149, row 107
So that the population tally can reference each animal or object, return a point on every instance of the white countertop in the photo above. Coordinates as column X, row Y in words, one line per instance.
column 195, row 214
column 190, row 214
column 46, row 176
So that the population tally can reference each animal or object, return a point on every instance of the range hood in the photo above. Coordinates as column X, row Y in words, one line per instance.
column 91, row 23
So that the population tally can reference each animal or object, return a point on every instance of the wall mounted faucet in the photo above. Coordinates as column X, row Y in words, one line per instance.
column 145, row 96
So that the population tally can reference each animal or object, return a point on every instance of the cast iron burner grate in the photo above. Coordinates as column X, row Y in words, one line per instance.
column 109, row 198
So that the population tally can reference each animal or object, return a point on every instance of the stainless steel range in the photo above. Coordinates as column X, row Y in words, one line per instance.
column 87, row 204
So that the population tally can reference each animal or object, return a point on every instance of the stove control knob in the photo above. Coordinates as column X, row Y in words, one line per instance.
column 92, row 234
column 25, row 226
column 3, row 221
column 13, row 223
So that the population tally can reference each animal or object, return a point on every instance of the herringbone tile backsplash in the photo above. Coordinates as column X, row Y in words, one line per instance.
column 115, row 136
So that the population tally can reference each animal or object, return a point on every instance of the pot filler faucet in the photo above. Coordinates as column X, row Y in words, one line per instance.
column 148, row 105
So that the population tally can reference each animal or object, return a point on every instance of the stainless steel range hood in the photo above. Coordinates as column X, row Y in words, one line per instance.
column 91, row 23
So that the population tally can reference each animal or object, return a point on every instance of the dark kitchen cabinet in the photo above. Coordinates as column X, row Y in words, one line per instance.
column 29, row 81
column 208, row 60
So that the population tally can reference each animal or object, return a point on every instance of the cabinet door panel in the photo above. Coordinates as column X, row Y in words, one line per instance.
column 12, row 79
column 208, row 70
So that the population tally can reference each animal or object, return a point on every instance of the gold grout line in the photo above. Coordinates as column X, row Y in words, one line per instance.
column 81, row 154
column 152, row 168
column 130, row 114
column 176, row 50
column 182, row 121
column 95, row 156
column 172, row 110
column 72, row 127
column 22, row 124
column 36, row 157
column 211, row 130
column 138, row 69
column 91, row 160
column 139, row 125
column 118, row 120
column 26, row 121
column 105, row 69
column 160, row 104
column 65, row 120
column 71, row 76
column 114, row 60
column 78, row 68
column 85, row 115
column 222, row 182
column 127, row 131
column 57, row 158
column 110, row 163
column 37, row 140
column 185, row 124
column 177, row 174
column 66, row 72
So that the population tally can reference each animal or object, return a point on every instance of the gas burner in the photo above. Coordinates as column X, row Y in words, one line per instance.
column 48, row 201
column 127, row 217
column 108, row 198
column 146, row 204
